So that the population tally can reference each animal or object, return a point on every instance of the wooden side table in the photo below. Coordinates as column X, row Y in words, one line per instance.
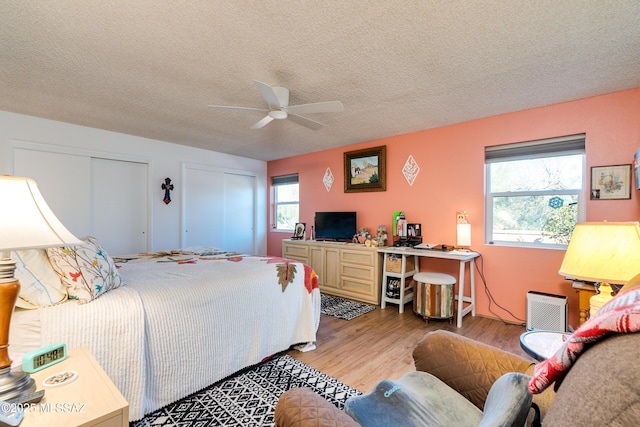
column 541, row 345
column 90, row 400
column 585, row 292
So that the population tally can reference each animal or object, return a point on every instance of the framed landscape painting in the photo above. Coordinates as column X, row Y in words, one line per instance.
column 364, row 170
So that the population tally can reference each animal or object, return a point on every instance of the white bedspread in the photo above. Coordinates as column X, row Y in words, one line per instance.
column 112, row 327
column 174, row 329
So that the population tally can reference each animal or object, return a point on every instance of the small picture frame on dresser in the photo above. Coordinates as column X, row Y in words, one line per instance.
column 299, row 230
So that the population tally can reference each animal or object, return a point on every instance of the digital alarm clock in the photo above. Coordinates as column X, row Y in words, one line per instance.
column 44, row 357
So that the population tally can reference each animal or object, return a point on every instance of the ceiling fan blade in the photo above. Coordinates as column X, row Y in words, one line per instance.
column 262, row 123
column 317, row 107
column 230, row 107
column 276, row 96
column 311, row 124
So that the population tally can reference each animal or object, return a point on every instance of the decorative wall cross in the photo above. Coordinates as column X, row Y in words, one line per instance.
column 167, row 187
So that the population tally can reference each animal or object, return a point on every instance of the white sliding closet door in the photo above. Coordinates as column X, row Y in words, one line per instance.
column 105, row 198
column 239, row 212
column 119, row 205
column 63, row 180
column 203, row 208
column 219, row 209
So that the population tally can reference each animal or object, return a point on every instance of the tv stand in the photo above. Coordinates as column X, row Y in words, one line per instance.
column 347, row 270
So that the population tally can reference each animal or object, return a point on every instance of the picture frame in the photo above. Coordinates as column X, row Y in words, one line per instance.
column 636, row 165
column 611, row 182
column 365, row 170
column 298, row 231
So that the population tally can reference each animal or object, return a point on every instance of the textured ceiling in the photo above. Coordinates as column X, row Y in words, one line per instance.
column 150, row 68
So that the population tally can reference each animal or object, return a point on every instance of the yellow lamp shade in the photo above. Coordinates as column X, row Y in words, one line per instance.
column 603, row 252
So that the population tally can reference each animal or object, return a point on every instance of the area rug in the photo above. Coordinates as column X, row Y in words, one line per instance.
column 248, row 398
column 343, row 308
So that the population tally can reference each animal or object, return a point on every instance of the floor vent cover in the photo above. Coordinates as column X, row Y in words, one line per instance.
column 546, row 312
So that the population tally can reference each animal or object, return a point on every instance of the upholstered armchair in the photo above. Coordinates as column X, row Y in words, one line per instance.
column 602, row 387
column 458, row 381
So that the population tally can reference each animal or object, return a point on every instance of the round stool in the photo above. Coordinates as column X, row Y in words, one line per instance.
column 433, row 295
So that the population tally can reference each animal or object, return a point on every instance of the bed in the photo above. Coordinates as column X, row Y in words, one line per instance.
column 181, row 321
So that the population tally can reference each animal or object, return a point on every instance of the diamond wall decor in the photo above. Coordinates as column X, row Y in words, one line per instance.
column 410, row 170
column 327, row 179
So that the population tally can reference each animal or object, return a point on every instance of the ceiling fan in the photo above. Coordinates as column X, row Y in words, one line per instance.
column 277, row 98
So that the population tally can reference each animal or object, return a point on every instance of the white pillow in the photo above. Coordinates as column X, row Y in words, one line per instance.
column 25, row 333
column 40, row 285
column 86, row 270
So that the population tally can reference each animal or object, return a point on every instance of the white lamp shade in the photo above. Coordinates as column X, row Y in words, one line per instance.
column 463, row 234
column 603, row 252
column 26, row 221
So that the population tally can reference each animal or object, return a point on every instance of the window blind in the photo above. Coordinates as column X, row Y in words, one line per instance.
column 284, row 179
column 573, row 144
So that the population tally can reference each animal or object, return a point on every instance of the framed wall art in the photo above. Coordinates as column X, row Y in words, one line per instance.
column 365, row 170
column 636, row 165
column 298, row 232
column 611, row 182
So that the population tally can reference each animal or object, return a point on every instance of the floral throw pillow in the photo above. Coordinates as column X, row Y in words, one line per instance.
column 86, row 270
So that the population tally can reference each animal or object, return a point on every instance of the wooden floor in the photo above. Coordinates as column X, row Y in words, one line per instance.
column 378, row 345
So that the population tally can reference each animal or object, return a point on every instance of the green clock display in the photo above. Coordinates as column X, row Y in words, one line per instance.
column 44, row 357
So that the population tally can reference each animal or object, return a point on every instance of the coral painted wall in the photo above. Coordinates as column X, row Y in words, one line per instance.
column 451, row 179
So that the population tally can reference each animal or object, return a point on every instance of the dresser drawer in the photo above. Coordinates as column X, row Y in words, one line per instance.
column 297, row 252
column 360, row 290
column 358, row 257
column 361, row 272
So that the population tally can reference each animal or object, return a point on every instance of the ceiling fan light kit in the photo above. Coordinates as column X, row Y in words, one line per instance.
column 278, row 114
column 277, row 97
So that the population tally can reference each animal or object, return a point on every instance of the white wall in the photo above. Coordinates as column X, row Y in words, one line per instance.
column 165, row 160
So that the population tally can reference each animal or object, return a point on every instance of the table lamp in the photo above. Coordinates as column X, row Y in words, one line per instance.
column 604, row 252
column 26, row 222
column 463, row 230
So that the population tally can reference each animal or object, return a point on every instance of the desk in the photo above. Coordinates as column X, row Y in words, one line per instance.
column 463, row 257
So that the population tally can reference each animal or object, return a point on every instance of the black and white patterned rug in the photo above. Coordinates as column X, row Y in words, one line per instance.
column 343, row 308
column 248, row 398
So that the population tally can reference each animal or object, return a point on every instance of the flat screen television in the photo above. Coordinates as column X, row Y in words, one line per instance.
column 339, row 226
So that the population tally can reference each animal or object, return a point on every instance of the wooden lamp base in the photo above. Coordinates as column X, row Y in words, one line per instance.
column 16, row 383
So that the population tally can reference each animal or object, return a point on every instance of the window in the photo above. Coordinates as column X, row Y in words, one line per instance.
column 286, row 206
column 534, row 192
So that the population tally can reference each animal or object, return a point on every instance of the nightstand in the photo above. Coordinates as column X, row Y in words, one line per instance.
column 91, row 400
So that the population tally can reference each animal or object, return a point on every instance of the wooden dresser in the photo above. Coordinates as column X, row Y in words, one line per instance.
column 347, row 270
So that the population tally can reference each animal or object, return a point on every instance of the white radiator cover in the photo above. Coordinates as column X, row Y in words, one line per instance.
column 546, row 312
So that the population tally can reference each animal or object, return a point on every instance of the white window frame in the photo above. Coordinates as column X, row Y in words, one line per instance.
column 554, row 147
column 275, row 182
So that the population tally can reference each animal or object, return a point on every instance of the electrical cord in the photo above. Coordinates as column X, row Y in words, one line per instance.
column 480, row 270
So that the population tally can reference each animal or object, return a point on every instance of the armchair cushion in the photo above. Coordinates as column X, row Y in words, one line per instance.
column 416, row 399
column 508, row 402
column 468, row 366
column 303, row 407
column 421, row 399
